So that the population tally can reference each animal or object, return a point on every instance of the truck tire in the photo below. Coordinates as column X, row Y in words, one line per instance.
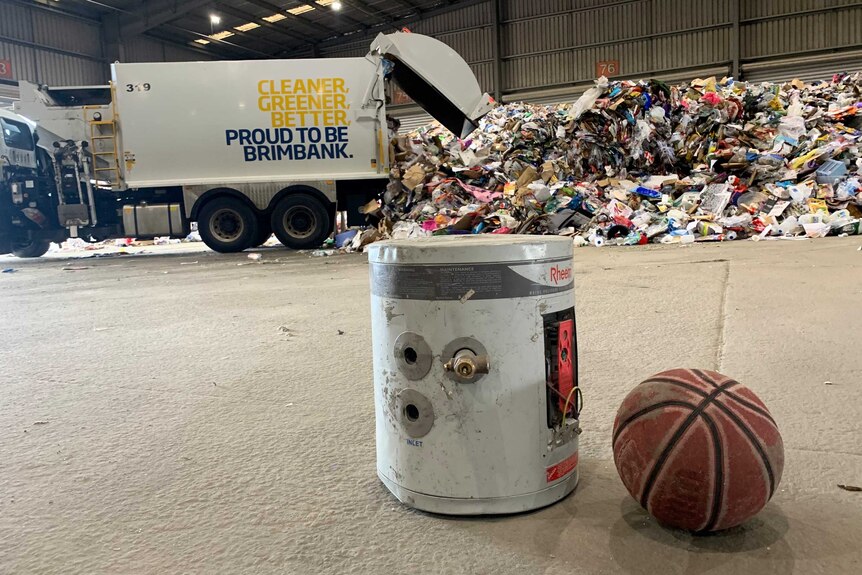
column 301, row 222
column 34, row 249
column 264, row 231
column 227, row 225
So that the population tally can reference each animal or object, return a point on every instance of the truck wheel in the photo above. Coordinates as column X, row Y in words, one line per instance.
column 227, row 225
column 264, row 231
column 34, row 249
column 301, row 222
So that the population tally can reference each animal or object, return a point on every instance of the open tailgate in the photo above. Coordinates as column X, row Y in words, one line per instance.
column 437, row 79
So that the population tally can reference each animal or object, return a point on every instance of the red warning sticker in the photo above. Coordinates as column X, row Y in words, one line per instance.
column 562, row 469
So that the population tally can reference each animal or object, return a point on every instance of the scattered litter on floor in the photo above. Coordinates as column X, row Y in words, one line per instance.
column 75, row 268
column 255, row 257
column 9, row 271
column 41, row 422
column 637, row 162
column 166, row 241
column 340, row 332
column 851, row 488
column 189, row 263
column 323, row 253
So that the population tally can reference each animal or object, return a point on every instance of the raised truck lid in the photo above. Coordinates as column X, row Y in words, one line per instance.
column 437, row 79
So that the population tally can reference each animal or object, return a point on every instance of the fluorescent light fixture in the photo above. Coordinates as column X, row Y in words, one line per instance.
column 247, row 27
column 202, row 41
column 301, row 9
column 221, row 35
column 275, row 18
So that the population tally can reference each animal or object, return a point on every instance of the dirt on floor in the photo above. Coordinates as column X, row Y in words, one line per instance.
column 188, row 412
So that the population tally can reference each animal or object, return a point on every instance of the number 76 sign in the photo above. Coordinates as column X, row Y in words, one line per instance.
column 608, row 68
column 6, row 69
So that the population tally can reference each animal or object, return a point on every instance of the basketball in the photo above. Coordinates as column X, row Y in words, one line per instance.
column 697, row 449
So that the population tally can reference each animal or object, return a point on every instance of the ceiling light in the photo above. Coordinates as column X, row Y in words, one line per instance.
column 221, row 35
column 275, row 18
column 301, row 9
column 247, row 27
column 202, row 41
column 215, row 19
column 336, row 5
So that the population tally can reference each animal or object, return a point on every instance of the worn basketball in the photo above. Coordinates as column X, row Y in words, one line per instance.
column 697, row 449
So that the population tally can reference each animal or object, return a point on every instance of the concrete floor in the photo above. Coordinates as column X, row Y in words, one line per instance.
column 155, row 417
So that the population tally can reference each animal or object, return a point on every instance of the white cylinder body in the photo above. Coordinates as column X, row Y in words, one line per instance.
column 497, row 443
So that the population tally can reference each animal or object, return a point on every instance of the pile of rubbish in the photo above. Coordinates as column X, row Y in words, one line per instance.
column 638, row 162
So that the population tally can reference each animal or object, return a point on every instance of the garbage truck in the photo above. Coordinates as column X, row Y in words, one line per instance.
column 243, row 148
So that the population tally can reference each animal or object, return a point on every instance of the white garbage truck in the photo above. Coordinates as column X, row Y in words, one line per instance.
column 243, row 148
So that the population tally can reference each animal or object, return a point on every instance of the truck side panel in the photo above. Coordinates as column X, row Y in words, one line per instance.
column 206, row 123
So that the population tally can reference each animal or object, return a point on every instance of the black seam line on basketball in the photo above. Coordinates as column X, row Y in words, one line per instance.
column 752, row 439
column 702, row 375
column 657, row 467
column 753, row 407
column 687, row 386
column 754, row 443
column 718, row 490
column 647, row 410
column 702, row 393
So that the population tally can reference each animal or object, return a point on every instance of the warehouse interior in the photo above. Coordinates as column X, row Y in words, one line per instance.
column 430, row 286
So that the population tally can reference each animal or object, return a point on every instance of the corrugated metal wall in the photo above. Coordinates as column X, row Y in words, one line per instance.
column 50, row 48
column 544, row 44
column 553, row 44
column 563, row 43
column 63, row 50
column 550, row 48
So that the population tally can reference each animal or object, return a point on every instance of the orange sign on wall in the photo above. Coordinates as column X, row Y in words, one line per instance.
column 608, row 68
column 6, row 69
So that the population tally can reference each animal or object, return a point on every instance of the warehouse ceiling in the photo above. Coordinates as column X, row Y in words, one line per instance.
column 258, row 28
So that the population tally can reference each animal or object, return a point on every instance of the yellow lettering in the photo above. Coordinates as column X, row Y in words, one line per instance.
column 338, row 86
column 277, row 103
column 264, row 103
column 341, row 118
column 326, row 85
column 285, row 87
column 315, row 102
column 290, row 103
column 339, row 101
column 277, row 120
column 299, row 87
column 313, row 85
column 261, row 87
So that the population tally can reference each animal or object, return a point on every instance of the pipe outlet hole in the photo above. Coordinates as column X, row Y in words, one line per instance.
column 410, row 356
column 412, row 412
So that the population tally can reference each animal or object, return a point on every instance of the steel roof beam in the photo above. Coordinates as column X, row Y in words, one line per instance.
column 152, row 15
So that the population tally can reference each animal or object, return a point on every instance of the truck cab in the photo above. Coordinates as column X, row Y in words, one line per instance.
column 26, row 188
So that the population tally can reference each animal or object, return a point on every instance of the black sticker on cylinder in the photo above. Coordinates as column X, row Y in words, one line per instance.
column 471, row 281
